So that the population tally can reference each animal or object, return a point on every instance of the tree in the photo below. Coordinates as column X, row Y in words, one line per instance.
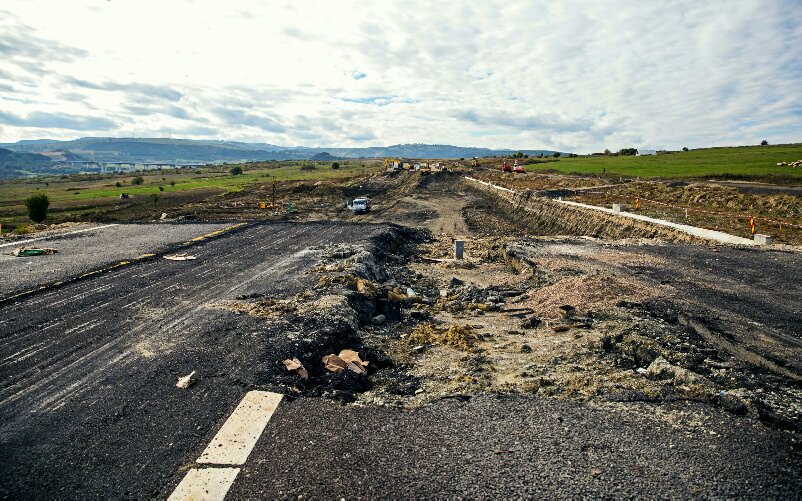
column 308, row 167
column 138, row 180
column 607, row 152
column 335, row 165
column 236, row 170
column 155, row 197
column 684, row 148
column 764, row 143
column 628, row 151
column 556, row 154
column 117, row 184
column 37, row 207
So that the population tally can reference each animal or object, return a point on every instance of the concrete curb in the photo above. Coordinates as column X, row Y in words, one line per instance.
column 713, row 235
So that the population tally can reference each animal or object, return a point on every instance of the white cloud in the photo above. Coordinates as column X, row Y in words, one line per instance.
column 575, row 76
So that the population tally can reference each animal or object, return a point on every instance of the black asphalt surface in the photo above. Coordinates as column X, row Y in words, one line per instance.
column 88, row 406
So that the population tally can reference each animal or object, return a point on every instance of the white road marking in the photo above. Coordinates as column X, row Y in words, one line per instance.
column 231, row 446
column 235, row 440
column 21, row 242
column 205, row 483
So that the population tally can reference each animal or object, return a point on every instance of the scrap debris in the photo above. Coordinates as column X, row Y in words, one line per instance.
column 183, row 256
column 33, row 251
column 185, row 382
column 296, row 365
column 347, row 359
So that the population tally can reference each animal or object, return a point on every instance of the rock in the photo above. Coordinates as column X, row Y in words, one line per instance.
column 732, row 403
column 525, row 348
column 455, row 282
column 660, row 368
column 378, row 320
column 530, row 323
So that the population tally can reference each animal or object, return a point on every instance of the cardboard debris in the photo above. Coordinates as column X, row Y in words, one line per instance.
column 347, row 359
column 185, row 382
column 297, row 366
column 183, row 256
column 33, row 251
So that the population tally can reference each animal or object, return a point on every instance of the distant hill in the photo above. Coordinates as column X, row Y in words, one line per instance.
column 13, row 164
column 109, row 149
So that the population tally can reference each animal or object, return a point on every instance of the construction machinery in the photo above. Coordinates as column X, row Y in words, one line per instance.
column 506, row 167
column 392, row 164
column 518, row 169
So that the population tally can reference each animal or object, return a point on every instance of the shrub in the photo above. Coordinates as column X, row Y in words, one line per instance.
column 138, row 180
column 37, row 207
column 172, row 183
column 118, row 184
column 556, row 154
column 155, row 198
column 161, row 188
column 764, row 143
column 236, row 170
column 308, row 167
column 22, row 229
column 685, row 148
column 335, row 165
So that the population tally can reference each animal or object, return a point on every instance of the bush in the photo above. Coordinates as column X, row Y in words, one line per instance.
column 172, row 183
column 685, row 148
column 161, row 188
column 236, row 170
column 138, row 180
column 556, row 154
column 37, row 207
column 117, row 184
column 155, row 198
column 764, row 143
column 335, row 165
column 308, row 167
column 22, row 229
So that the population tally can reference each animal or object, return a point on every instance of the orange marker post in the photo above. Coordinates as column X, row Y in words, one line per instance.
column 752, row 224
column 637, row 203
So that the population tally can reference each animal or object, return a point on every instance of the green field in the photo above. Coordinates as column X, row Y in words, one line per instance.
column 745, row 162
column 89, row 187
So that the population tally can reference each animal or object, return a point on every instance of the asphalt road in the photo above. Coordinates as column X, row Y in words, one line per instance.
column 88, row 247
column 88, row 406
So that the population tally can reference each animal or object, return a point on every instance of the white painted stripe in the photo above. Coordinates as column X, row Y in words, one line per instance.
column 205, row 483
column 22, row 242
column 235, row 440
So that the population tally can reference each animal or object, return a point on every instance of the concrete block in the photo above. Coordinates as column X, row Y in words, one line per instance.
column 619, row 207
column 459, row 249
column 762, row 239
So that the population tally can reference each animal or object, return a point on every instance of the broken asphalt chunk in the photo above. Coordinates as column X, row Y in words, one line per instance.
column 296, row 365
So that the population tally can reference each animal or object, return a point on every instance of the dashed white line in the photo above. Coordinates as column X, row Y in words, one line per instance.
column 231, row 445
column 206, row 483
column 235, row 440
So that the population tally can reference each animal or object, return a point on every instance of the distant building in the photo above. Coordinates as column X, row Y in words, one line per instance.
column 646, row 152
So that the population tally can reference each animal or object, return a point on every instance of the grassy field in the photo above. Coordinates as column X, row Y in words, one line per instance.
column 746, row 162
column 84, row 193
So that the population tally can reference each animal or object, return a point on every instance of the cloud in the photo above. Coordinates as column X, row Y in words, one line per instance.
column 238, row 117
column 42, row 120
column 148, row 91
column 523, row 74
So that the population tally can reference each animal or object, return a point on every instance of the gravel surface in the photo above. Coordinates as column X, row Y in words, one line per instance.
column 88, row 250
column 516, row 446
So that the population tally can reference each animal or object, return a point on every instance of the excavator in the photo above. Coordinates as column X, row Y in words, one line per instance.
column 518, row 169
column 392, row 164
column 505, row 167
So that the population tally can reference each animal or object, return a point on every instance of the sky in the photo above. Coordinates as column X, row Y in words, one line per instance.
column 570, row 76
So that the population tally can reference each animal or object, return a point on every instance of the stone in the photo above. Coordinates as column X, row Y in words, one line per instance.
column 378, row 320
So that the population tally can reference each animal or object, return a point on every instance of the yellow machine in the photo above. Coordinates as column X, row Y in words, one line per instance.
column 392, row 164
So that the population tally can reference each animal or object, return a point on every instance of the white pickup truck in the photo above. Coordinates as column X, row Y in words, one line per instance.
column 360, row 205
